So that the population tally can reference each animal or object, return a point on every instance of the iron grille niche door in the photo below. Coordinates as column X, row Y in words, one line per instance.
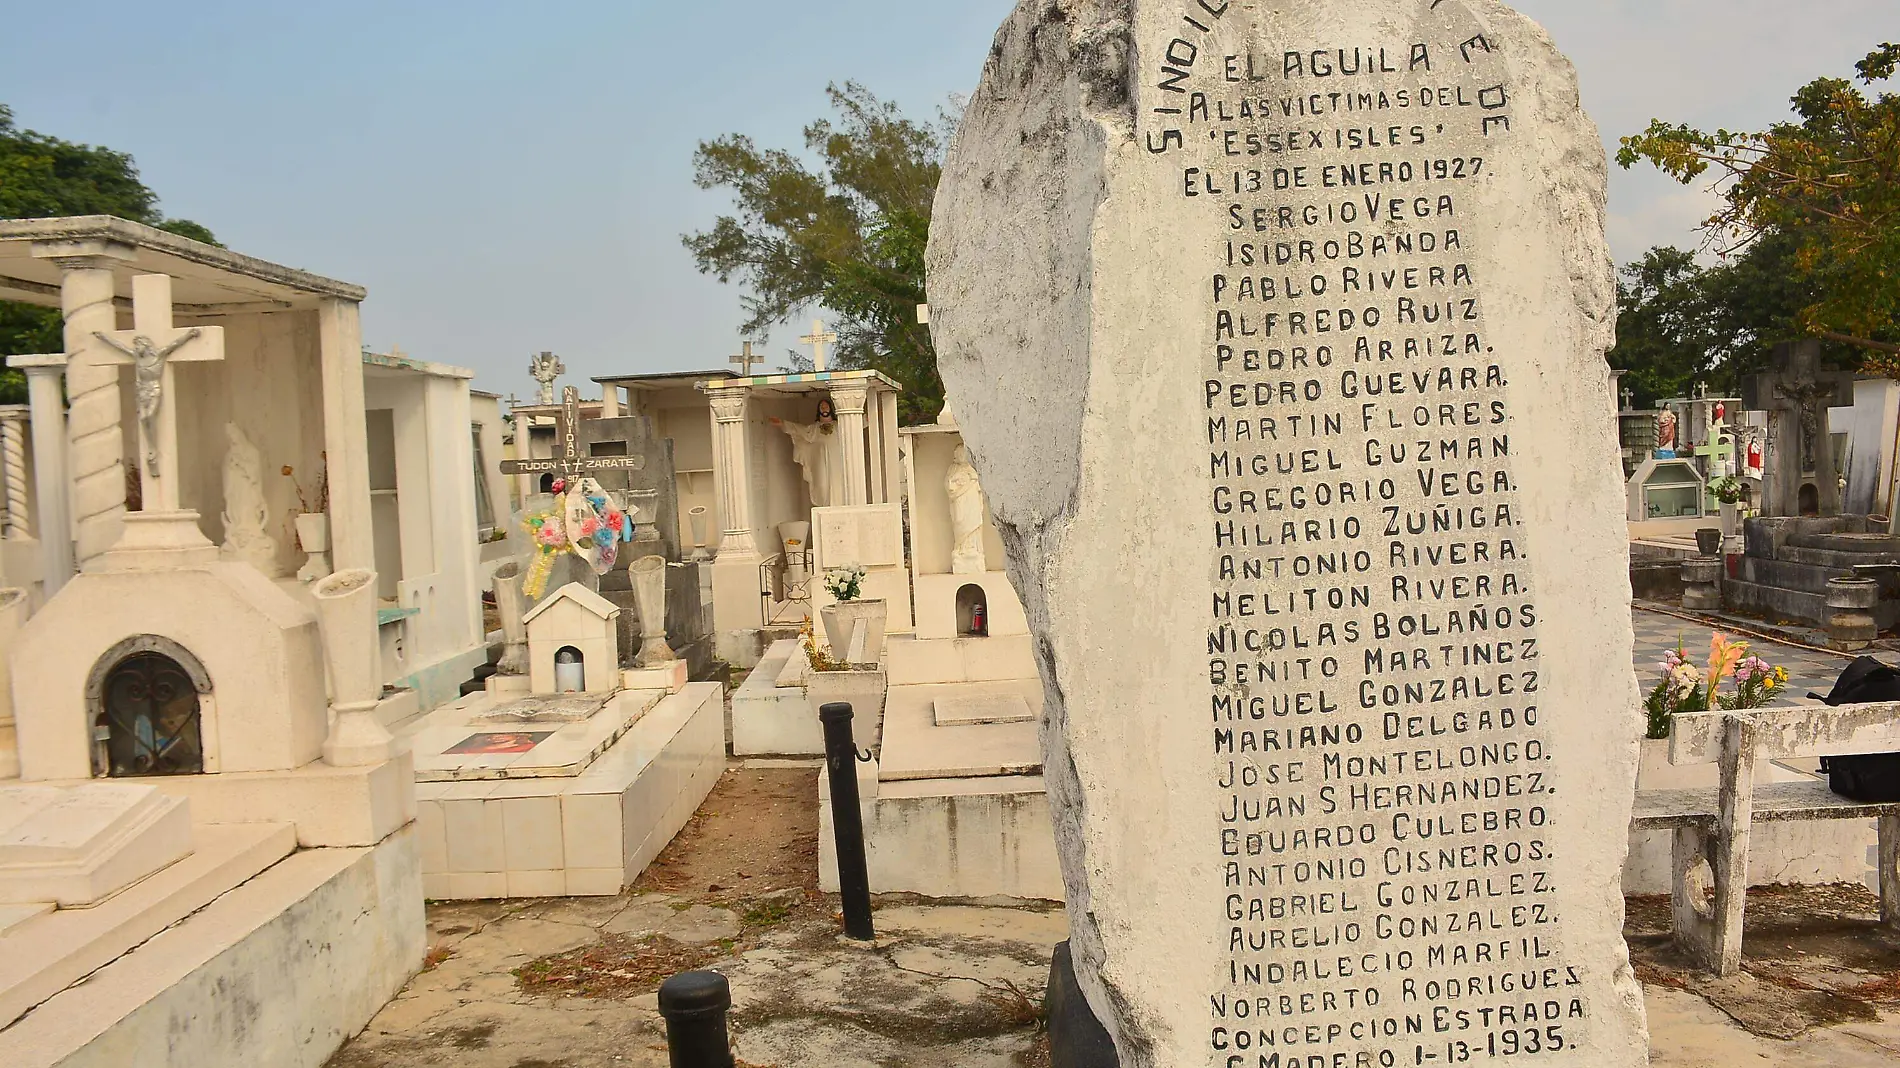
column 151, row 719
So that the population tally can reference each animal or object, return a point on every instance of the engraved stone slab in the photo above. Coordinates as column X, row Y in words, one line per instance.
column 1276, row 333
column 575, row 709
column 954, row 710
column 77, row 846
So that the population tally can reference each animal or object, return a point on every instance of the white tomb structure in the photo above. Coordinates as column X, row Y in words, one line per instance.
column 954, row 805
column 574, row 628
column 425, row 485
column 198, row 743
column 567, row 780
column 779, row 449
column 291, row 392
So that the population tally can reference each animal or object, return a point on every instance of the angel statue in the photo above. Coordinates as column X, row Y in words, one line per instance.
column 544, row 368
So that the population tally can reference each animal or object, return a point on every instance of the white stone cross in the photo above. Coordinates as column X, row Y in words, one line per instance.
column 151, row 347
column 745, row 360
column 818, row 339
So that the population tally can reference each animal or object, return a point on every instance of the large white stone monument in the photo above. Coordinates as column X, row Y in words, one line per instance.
column 258, row 831
column 1275, row 333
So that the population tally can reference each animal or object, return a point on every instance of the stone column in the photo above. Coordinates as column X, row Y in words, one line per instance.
column 893, row 466
column 13, row 460
column 93, row 429
column 49, row 465
column 850, row 400
column 345, row 435
column 731, row 407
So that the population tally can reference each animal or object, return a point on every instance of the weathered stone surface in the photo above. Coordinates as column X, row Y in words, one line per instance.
column 1276, row 334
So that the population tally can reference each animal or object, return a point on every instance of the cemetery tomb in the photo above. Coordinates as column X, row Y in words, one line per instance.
column 561, row 794
column 956, row 806
column 1276, row 337
column 196, row 727
column 430, row 574
column 784, row 448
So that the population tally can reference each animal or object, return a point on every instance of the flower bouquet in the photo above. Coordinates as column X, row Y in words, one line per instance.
column 589, row 524
column 1690, row 687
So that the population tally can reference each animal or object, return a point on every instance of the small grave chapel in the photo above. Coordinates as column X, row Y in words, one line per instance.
column 300, row 452
column 769, row 458
column 199, row 748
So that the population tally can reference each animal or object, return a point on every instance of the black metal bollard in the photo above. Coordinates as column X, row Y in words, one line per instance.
column 847, row 821
column 695, row 1004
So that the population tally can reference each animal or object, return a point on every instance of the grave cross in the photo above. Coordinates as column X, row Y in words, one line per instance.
column 745, row 360
column 1629, row 397
column 570, row 463
column 151, row 347
column 1719, row 454
column 818, row 339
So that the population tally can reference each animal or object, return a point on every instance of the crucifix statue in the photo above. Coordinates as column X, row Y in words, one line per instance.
column 818, row 339
column 745, row 360
column 151, row 347
column 570, row 463
column 544, row 368
column 1800, row 477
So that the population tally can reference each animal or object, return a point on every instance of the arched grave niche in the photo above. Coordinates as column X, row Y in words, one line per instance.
column 147, row 700
column 570, row 675
column 973, row 612
column 1810, row 500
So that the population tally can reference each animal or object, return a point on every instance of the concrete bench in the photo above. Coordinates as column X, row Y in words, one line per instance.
column 1711, row 826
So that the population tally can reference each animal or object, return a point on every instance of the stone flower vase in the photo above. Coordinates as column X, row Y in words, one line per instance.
column 313, row 532
column 649, row 590
column 346, row 616
column 846, row 619
column 862, row 690
column 698, row 518
column 512, row 605
column 1731, row 520
column 1708, row 541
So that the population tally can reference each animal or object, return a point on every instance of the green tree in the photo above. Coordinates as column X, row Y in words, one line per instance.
column 1830, row 183
column 848, row 236
column 1680, row 324
column 43, row 177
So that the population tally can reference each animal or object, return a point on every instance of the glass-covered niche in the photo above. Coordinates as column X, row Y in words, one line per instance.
column 1667, row 489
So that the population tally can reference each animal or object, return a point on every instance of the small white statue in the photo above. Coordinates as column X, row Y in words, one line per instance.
column 545, row 368
column 246, row 515
column 966, row 515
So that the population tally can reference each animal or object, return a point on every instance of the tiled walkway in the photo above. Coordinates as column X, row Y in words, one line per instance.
column 1657, row 634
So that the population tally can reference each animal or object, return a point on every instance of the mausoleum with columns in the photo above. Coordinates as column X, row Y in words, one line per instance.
column 789, row 457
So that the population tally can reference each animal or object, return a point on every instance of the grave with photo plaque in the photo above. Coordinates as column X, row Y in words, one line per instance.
column 1275, row 333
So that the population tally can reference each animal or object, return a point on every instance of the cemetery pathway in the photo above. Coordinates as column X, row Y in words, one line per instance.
column 570, row 983
column 1657, row 633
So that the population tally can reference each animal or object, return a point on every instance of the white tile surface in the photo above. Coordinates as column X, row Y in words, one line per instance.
column 475, row 842
column 590, row 830
column 531, row 827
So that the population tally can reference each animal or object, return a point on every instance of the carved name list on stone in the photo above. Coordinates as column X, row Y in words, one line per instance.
column 1342, row 273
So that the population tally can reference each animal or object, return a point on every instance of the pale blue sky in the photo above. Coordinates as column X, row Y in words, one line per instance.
column 507, row 178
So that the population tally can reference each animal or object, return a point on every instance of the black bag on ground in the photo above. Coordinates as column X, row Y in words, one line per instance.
column 1875, row 778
